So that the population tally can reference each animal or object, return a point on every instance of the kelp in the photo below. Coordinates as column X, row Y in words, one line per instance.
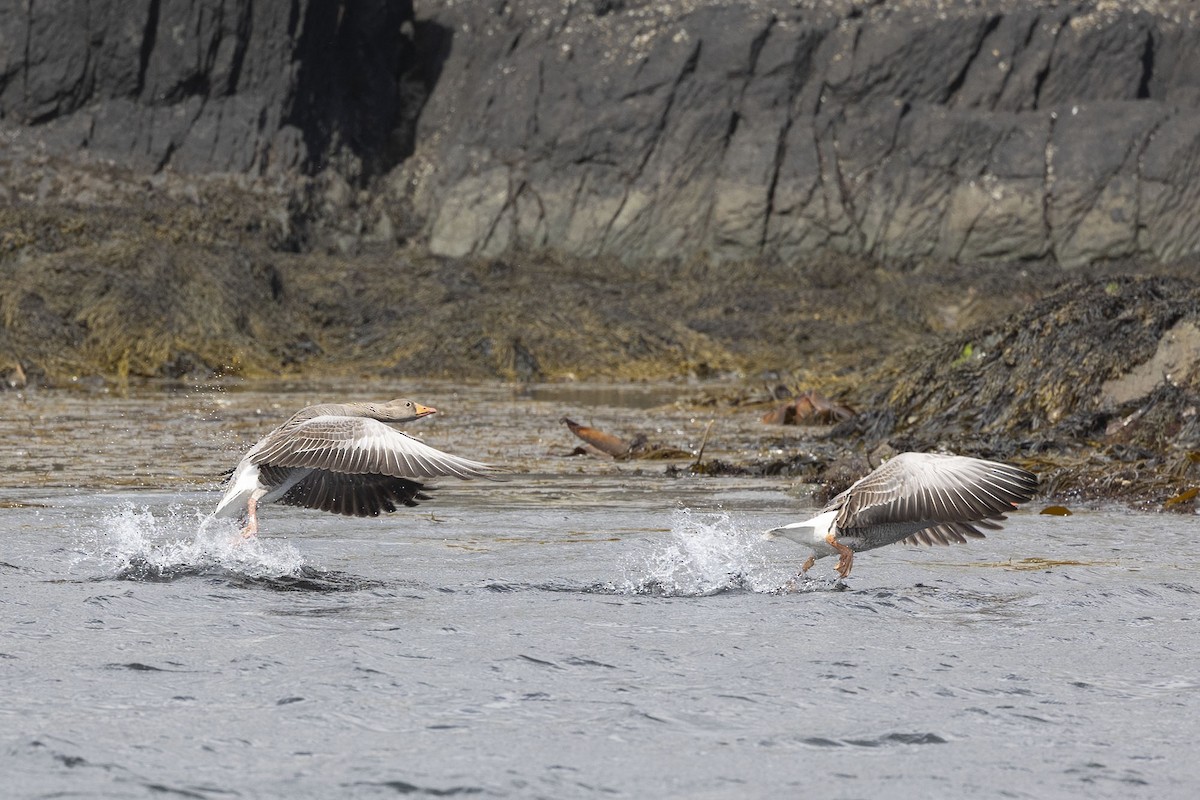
column 1031, row 389
column 1037, row 374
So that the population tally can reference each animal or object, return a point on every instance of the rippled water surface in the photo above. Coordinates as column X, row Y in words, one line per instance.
column 587, row 628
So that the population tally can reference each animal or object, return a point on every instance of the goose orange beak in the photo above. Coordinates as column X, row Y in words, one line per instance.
column 423, row 411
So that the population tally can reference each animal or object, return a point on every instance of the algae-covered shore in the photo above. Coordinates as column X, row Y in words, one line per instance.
column 970, row 223
column 1096, row 387
column 1089, row 376
column 205, row 280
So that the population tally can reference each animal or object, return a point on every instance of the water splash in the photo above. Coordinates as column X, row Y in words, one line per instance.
column 134, row 543
column 709, row 553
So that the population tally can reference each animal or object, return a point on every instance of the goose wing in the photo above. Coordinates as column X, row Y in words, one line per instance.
column 932, row 499
column 352, row 494
column 359, row 445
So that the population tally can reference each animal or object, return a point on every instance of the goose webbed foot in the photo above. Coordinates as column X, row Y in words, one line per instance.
column 845, row 556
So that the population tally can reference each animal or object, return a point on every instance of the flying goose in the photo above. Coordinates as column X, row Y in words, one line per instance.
column 916, row 498
column 342, row 458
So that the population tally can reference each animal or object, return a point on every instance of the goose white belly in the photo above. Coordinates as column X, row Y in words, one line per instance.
column 246, row 481
column 812, row 533
column 242, row 484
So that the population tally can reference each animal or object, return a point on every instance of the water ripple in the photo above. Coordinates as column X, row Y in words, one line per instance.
column 885, row 740
column 406, row 788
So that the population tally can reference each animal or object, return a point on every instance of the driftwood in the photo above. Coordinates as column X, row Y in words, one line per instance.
column 604, row 442
column 638, row 448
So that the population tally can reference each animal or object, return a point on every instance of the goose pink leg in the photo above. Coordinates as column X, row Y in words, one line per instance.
column 251, row 529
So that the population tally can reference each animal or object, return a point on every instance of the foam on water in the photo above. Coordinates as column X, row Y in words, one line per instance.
column 708, row 553
column 134, row 542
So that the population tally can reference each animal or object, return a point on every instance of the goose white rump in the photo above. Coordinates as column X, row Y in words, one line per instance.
column 917, row 498
column 342, row 458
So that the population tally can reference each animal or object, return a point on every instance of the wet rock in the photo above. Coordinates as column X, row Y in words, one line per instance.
column 1177, row 354
column 807, row 466
column 839, row 475
column 186, row 364
column 522, row 363
column 12, row 374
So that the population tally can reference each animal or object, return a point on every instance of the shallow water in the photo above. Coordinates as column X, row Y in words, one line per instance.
column 586, row 628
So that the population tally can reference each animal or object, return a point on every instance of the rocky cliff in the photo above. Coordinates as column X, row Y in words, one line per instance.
column 939, row 130
column 911, row 130
column 211, row 85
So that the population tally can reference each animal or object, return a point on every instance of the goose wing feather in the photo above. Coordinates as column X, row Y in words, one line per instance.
column 356, row 445
column 356, row 495
column 951, row 497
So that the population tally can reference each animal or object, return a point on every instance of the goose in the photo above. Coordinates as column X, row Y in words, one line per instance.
column 916, row 498
column 343, row 458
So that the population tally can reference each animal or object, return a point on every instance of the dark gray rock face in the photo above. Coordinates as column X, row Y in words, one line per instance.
column 210, row 85
column 940, row 130
column 910, row 130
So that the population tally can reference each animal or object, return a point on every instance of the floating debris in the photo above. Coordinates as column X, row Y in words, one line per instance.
column 1034, row 564
column 647, row 452
column 1056, row 511
column 604, row 442
column 808, row 408
column 637, row 448
column 1185, row 496
column 21, row 504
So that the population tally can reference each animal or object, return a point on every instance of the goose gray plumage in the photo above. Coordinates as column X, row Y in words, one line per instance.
column 916, row 498
column 342, row 458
